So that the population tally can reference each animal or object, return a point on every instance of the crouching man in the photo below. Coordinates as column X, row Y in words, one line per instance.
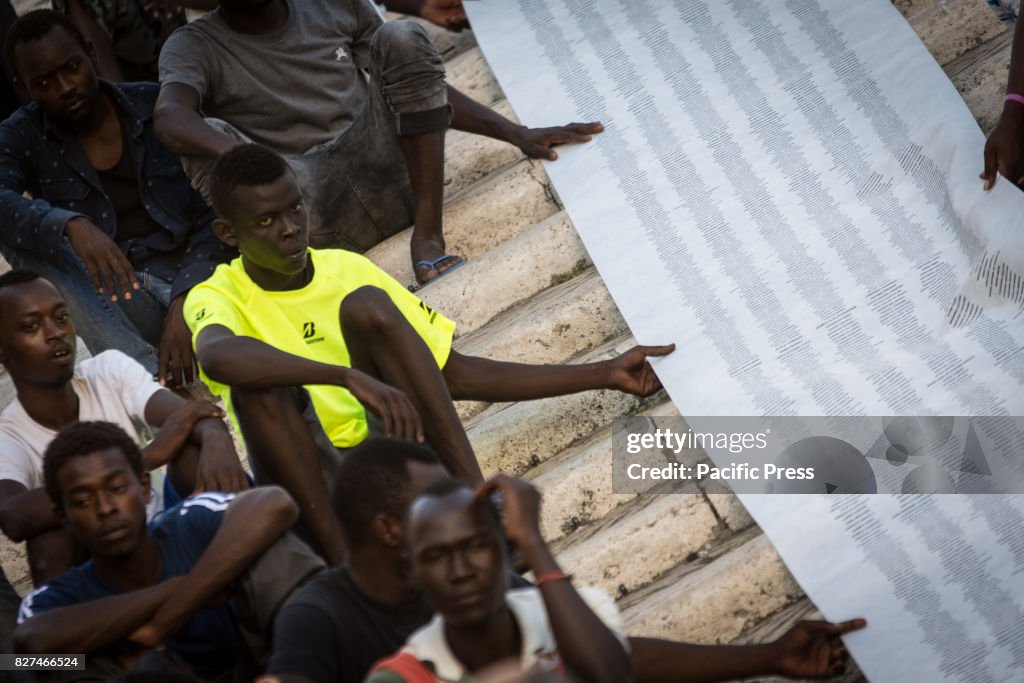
column 163, row 584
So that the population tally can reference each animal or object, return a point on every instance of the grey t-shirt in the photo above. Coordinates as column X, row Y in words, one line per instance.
column 290, row 90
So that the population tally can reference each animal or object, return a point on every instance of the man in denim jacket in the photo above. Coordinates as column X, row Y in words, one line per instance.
column 113, row 221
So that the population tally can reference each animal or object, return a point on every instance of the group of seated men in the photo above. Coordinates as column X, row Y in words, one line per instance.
column 332, row 372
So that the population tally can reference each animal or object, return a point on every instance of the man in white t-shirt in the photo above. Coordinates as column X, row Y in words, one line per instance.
column 458, row 556
column 37, row 347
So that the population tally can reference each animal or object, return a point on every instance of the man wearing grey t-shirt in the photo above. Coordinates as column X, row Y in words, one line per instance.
column 369, row 152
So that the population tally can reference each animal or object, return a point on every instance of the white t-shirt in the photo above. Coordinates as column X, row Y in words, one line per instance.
column 540, row 651
column 110, row 387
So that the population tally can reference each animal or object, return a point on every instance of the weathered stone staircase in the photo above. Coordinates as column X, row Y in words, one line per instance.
column 691, row 567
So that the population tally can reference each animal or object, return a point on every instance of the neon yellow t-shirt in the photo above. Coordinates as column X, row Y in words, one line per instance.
column 305, row 322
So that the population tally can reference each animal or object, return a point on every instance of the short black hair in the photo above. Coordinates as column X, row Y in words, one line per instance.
column 373, row 479
column 32, row 26
column 445, row 488
column 17, row 277
column 85, row 438
column 249, row 164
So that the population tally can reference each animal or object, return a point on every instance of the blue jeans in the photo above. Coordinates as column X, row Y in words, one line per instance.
column 133, row 326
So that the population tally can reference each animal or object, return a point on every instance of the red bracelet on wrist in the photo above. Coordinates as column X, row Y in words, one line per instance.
column 551, row 576
column 1014, row 97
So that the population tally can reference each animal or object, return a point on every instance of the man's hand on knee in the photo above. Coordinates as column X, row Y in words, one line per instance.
column 398, row 415
column 109, row 268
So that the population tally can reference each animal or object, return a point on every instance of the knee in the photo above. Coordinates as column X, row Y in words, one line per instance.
column 368, row 310
column 397, row 44
column 401, row 36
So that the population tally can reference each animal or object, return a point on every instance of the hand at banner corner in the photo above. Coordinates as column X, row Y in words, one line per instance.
column 814, row 649
column 1004, row 153
column 632, row 373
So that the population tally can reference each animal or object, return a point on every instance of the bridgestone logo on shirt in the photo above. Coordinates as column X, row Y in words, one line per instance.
column 308, row 330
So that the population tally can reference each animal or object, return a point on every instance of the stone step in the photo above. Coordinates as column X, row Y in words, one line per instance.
column 469, row 74
column 468, row 158
column 979, row 55
column 715, row 598
column 508, row 318
column 514, row 437
column 577, row 483
column 493, row 210
column 508, row 274
column 910, row 8
column 578, row 491
column 950, row 28
column 980, row 77
column 580, row 304
column 731, row 511
column 621, row 542
column 15, row 565
column 640, row 541
column 553, row 326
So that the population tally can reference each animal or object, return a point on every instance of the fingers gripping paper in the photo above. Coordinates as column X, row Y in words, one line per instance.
column 789, row 191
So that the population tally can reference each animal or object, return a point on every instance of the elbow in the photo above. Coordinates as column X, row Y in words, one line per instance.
column 281, row 508
column 29, row 639
column 13, row 526
column 455, row 388
column 163, row 126
column 455, row 376
column 167, row 127
column 213, row 363
column 219, row 359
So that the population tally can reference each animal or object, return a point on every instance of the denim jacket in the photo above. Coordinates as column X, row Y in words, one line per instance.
column 39, row 158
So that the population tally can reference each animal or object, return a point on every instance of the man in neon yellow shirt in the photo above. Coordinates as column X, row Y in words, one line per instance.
column 297, row 339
